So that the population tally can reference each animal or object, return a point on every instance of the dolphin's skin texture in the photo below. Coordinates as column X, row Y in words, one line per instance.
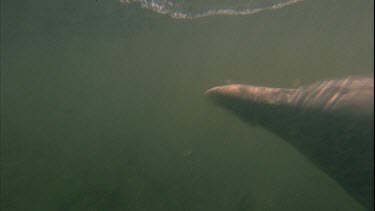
column 330, row 122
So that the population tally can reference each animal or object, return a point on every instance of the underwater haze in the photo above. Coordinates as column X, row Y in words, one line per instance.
column 103, row 106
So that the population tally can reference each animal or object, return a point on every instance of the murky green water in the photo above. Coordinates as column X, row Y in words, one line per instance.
column 102, row 105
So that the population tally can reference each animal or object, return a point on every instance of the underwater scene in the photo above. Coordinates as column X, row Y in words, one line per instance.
column 132, row 105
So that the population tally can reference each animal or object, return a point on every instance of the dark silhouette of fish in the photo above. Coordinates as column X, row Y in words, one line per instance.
column 330, row 122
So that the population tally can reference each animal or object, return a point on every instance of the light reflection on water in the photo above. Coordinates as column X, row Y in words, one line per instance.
column 182, row 9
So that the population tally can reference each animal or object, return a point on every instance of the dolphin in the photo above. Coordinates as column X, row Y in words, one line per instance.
column 330, row 122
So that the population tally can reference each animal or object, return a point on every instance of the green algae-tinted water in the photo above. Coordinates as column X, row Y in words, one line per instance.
column 102, row 105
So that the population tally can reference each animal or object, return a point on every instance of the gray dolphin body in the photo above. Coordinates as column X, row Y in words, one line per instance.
column 330, row 122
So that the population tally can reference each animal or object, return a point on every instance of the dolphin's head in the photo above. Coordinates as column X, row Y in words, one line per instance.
column 231, row 95
column 248, row 101
column 237, row 98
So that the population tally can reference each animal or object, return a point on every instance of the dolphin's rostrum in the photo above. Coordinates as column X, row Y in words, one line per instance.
column 330, row 122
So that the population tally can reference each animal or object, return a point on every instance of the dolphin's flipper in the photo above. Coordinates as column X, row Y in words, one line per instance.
column 330, row 122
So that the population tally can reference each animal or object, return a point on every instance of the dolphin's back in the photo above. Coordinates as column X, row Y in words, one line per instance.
column 352, row 95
